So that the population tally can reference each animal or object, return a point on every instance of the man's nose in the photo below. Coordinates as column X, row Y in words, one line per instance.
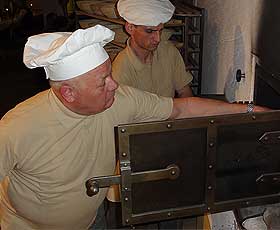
column 157, row 36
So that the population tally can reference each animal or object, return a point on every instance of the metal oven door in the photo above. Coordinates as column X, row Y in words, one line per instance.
column 191, row 166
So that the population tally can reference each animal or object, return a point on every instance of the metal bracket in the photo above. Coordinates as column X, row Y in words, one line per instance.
column 270, row 137
column 93, row 184
column 239, row 75
column 271, row 178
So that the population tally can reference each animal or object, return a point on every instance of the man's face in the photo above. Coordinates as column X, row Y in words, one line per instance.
column 146, row 37
column 96, row 90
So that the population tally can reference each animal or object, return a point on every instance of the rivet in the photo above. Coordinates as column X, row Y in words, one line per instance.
column 247, row 202
column 124, row 154
column 125, row 164
column 125, row 189
column 210, row 166
column 254, row 117
column 211, row 144
column 265, row 138
column 278, row 137
column 126, row 198
column 169, row 126
column 95, row 190
column 212, row 121
column 169, row 214
column 123, row 130
column 209, row 187
column 127, row 220
column 208, row 208
column 173, row 172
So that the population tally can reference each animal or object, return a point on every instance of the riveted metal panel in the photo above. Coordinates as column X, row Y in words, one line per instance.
column 220, row 159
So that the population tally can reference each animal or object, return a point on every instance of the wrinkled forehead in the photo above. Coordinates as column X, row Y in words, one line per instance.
column 101, row 70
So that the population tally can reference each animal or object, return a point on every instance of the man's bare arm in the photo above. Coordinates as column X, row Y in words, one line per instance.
column 195, row 106
column 186, row 91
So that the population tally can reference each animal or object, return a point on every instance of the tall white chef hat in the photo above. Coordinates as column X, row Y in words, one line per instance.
column 67, row 55
column 147, row 13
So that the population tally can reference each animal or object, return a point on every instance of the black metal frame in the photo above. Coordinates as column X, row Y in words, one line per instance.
column 210, row 202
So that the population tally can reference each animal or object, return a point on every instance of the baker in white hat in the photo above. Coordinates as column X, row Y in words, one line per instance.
column 53, row 142
column 150, row 62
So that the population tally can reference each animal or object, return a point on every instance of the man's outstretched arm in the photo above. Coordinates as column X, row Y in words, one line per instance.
column 195, row 107
column 186, row 91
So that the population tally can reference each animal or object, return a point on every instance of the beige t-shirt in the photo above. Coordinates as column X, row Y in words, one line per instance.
column 48, row 152
column 165, row 75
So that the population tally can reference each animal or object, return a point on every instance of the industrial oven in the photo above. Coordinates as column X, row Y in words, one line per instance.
column 187, row 167
column 207, row 164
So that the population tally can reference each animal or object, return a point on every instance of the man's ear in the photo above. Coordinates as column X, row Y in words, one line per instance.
column 67, row 92
column 129, row 28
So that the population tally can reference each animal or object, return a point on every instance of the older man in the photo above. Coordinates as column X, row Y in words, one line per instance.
column 53, row 142
column 147, row 63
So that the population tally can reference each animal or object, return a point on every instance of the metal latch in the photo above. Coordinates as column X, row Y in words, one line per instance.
column 171, row 172
column 270, row 137
column 269, row 178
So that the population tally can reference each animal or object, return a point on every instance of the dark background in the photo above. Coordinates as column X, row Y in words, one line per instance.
column 268, row 46
column 267, row 79
column 17, row 81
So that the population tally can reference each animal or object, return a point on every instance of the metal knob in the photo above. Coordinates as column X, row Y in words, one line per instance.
column 239, row 75
column 92, row 187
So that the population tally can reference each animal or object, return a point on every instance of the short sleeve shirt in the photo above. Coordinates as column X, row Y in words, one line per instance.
column 47, row 153
column 165, row 75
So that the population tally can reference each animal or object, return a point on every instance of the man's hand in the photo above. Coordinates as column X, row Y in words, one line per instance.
column 261, row 109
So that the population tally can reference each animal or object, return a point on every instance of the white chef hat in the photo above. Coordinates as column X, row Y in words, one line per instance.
column 66, row 55
column 146, row 12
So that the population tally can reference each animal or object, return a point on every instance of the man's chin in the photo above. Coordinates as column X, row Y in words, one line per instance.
column 154, row 47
